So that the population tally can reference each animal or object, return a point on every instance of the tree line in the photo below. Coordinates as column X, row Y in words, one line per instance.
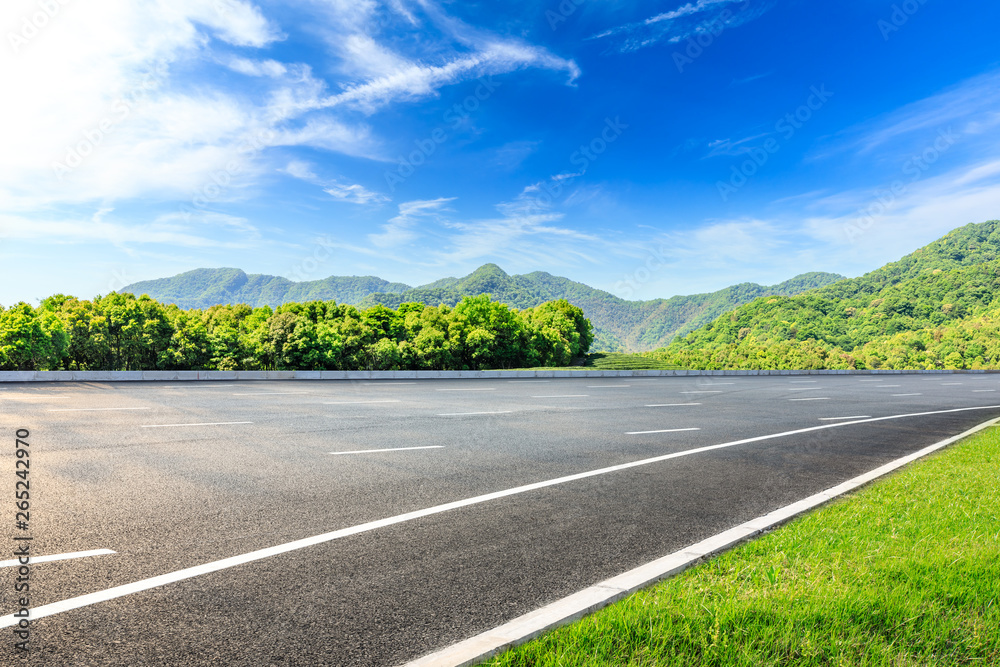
column 125, row 332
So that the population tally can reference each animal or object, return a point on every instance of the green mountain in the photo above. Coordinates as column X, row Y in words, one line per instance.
column 203, row 288
column 938, row 307
column 619, row 324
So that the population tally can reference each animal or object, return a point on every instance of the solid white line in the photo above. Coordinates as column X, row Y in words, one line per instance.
column 566, row 396
column 481, row 647
column 397, row 449
column 470, row 389
column 202, row 424
column 829, row 419
column 979, row 391
column 670, row 405
column 811, row 398
column 907, row 394
column 92, row 409
column 460, row 414
column 666, row 430
column 48, row 559
column 388, row 400
column 225, row 563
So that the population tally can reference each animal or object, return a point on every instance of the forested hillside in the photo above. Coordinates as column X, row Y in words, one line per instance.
column 618, row 324
column 938, row 307
column 121, row 332
column 204, row 288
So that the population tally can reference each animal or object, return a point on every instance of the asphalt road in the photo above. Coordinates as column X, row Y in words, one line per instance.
column 176, row 475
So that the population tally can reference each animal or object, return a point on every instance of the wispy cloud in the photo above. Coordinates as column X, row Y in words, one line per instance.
column 685, row 21
column 402, row 228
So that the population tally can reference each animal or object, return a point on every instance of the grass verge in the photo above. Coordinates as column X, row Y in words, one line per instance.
column 903, row 572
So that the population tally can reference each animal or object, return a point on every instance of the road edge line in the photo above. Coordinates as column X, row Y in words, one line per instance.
column 573, row 607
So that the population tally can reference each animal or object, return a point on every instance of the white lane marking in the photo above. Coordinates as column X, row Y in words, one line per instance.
column 830, row 419
column 888, row 385
column 461, row 414
column 564, row 396
column 225, row 563
column 670, row 405
column 720, row 383
column 470, row 389
column 666, row 430
column 522, row 381
column 949, row 384
column 907, row 394
column 803, row 388
column 803, row 381
column 811, row 398
column 396, row 449
column 475, row 650
column 607, row 386
column 979, row 391
column 379, row 384
column 30, row 398
column 275, row 393
column 201, row 424
column 49, row 559
column 387, row 400
column 871, row 380
column 702, row 392
column 92, row 409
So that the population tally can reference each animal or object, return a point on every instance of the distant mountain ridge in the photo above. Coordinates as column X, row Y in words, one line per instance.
column 619, row 324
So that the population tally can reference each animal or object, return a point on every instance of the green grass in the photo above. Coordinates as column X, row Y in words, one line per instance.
column 903, row 572
column 617, row 361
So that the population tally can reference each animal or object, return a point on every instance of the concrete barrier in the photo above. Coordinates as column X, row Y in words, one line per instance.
column 186, row 376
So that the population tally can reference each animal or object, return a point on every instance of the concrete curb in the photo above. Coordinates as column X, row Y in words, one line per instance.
column 574, row 607
column 187, row 376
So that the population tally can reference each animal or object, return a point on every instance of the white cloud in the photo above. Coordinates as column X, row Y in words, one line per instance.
column 354, row 194
column 271, row 68
column 401, row 229
column 685, row 21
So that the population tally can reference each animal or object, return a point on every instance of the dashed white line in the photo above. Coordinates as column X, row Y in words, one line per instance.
column 803, row 381
column 907, row 394
column 199, row 424
column 469, row 389
column 387, row 400
column 871, row 380
column 92, row 409
column 886, row 386
column 670, row 405
column 979, row 391
column 719, row 391
column 395, row 449
column 949, row 384
column 830, row 419
column 564, row 396
column 462, row 414
column 803, row 388
column 666, row 430
column 811, row 398
column 55, row 557
column 233, row 561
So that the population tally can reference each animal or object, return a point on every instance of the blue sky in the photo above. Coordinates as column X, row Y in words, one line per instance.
column 646, row 148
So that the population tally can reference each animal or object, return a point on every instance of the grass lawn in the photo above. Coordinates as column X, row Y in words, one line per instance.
column 903, row 572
